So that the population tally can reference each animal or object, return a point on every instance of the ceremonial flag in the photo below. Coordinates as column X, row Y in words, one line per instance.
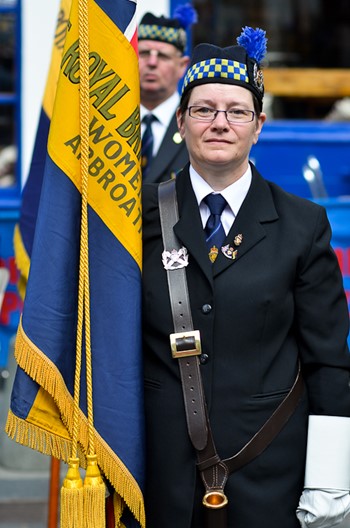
column 24, row 230
column 43, row 410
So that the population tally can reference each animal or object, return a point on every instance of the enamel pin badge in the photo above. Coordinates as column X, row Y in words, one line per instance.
column 213, row 253
column 230, row 251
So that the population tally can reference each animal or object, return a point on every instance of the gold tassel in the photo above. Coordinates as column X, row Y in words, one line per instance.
column 72, row 497
column 94, row 495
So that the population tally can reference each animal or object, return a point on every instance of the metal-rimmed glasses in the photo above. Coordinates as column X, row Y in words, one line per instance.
column 146, row 54
column 233, row 115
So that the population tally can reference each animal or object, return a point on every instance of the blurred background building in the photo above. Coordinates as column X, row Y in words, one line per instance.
column 311, row 39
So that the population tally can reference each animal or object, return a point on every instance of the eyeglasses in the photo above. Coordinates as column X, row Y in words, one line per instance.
column 234, row 115
column 160, row 55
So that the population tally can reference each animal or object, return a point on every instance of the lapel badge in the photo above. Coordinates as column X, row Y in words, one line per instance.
column 175, row 259
column 177, row 138
column 238, row 239
column 143, row 162
column 213, row 253
column 229, row 251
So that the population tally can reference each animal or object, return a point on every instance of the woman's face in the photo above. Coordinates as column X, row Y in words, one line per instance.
column 219, row 145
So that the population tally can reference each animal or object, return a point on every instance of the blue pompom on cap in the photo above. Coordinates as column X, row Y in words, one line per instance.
column 254, row 41
column 186, row 15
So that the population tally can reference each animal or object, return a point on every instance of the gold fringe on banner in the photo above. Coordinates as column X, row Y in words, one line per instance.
column 36, row 438
column 118, row 507
column 39, row 367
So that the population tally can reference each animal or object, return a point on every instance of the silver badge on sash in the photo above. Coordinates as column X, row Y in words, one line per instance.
column 175, row 259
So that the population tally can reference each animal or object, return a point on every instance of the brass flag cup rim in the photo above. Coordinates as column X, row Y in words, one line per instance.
column 215, row 499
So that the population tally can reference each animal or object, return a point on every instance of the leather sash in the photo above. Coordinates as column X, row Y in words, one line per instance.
column 185, row 345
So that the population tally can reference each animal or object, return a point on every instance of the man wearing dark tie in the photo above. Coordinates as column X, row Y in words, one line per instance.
column 162, row 63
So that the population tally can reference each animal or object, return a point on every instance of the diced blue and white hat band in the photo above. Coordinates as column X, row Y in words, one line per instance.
column 170, row 30
column 216, row 68
column 172, row 35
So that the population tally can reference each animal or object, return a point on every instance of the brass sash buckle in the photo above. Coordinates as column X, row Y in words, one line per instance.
column 184, row 344
column 215, row 500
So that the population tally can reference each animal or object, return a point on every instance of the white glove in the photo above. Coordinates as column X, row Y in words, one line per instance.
column 325, row 501
column 323, row 508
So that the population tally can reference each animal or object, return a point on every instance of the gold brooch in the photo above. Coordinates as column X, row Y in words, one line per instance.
column 238, row 239
column 213, row 253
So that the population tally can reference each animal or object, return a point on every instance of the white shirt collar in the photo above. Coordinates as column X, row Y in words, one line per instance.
column 165, row 111
column 234, row 194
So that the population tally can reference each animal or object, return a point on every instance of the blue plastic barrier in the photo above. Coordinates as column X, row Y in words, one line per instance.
column 12, row 304
column 284, row 147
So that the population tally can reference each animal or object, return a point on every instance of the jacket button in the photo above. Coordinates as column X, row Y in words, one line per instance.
column 203, row 358
column 206, row 308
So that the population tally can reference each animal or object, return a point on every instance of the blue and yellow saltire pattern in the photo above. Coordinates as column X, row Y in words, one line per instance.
column 24, row 230
column 41, row 413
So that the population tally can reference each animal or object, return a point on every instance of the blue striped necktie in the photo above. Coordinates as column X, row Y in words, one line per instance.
column 214, row 231
column 147, row 144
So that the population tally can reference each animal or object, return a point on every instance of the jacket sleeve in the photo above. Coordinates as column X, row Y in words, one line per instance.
column 323, row 322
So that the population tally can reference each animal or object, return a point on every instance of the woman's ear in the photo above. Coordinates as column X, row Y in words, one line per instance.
column 180, row 122
column 261, row 121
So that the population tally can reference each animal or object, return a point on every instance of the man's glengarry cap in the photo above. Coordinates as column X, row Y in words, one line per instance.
column 170, row 30
column 239, row 64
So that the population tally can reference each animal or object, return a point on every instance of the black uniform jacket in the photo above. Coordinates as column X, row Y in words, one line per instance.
column 280, row 301
column 171, row 156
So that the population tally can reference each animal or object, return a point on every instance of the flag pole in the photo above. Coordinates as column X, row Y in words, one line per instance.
column 53, row 493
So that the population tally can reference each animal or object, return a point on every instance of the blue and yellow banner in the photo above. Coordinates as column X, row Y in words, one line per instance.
column 42, row 405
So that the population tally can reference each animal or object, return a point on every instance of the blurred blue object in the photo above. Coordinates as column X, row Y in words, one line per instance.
column 338, row 211
column 286, row 148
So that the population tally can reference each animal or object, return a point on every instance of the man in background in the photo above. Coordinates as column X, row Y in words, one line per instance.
column 162, row 63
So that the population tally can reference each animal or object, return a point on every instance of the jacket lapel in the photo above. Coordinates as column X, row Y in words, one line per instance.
column 168, row 150
column 257, row 208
